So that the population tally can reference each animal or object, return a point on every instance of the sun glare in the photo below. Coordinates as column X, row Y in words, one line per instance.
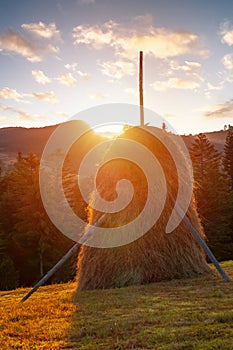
column 109, row 130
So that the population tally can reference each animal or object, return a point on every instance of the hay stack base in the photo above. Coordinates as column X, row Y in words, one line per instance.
column 156, row 256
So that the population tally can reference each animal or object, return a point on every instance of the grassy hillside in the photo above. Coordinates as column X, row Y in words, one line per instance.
column 181, row 314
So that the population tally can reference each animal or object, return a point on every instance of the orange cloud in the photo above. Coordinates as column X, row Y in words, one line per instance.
column 98, row 96
column 14, row 42
column 159, row 42
column 224, row 110
column 40, row 29
column 227, row 33
column 23, row 115
column 175, row 83
column 45, row 96
column 97, row 36
column 67, row 79
column 189, row 68
column 73, row 67
column 40, row 77
column 227, row 61
column 117, row 70
column 215, row 87
column 10, row 94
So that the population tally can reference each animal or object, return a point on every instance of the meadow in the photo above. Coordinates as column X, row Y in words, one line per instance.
column 179, row 314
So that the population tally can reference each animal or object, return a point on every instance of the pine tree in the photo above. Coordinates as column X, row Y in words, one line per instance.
column 228, row 157
column 206, row 164
column 8, row 273
column 35, row 245
column 228, row 167
column 212, row 197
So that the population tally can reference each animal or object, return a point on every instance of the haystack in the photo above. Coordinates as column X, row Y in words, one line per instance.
column 156, row 256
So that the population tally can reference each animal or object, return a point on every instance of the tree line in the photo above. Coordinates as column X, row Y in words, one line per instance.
column 213, row 191
column 30, row 244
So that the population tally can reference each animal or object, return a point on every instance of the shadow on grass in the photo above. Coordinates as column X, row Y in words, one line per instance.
column 180, row 314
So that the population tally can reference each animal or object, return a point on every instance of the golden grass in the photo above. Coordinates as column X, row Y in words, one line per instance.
column 190, row 314
column 40, row 323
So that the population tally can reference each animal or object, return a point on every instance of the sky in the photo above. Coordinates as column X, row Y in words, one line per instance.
column 60, row 57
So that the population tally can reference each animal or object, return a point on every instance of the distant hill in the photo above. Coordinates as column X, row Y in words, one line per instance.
column 25, row 140
column 15, row 139
column 217, row 138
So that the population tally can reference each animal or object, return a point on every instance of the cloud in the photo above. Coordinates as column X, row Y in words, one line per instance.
column 227, row 61
column 98, row 96
column 215, row 87
column 131, row 91
column 189, row 68
column 72, row 66
column 14, row 42
column 40, row 29
column 83, row 75
column 97, row 36
column 159, row 42
column 26, row 116
column 224, row 110
column 174, row 83
column 23, row 115
column 61, row 114
column 226, row 32
column 10, row 94
column 40, row 77
column 45, row 96
column 117, row 70
column 51, row 49
column 67, row 79
column 169, row 115
column 3, row 119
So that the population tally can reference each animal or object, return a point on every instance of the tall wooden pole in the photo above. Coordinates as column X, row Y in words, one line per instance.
column 141, row 88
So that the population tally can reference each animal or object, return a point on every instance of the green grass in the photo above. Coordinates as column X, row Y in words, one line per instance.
column 180, row 314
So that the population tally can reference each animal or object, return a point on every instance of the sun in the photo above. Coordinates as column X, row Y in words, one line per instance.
column 109, row 130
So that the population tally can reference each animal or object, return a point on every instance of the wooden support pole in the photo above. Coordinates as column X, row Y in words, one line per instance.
column 202, row 243
column 206, row 249
column 141, row 88
column 72, row 250
column 51, row 272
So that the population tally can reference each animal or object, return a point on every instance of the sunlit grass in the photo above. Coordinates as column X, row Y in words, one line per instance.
column 180, row 314
column 42, row 322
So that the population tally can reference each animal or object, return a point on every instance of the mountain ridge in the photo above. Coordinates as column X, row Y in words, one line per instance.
column 25, row 140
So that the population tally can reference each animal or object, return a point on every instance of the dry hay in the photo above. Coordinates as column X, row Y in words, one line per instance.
column 154, row 257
